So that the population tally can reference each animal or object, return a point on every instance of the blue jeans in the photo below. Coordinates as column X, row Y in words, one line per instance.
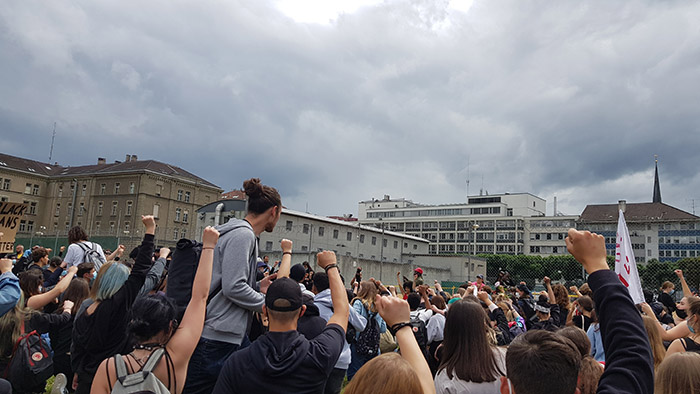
column 356, row 362
column 206, row 363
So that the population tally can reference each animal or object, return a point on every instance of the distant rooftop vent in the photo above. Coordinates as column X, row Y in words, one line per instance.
column 101, row 160
column 387, row 197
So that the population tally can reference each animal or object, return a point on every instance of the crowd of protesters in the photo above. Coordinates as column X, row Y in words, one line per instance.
column 221, row 319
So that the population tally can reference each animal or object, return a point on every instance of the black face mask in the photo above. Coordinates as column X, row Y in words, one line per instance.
column 681, row 313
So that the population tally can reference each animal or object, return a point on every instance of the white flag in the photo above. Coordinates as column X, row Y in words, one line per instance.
column 625, row 264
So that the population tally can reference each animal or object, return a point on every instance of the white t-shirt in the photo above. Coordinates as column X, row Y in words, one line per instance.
column 436, row 328
column 445, row 385
column 422, row 314
column 75, row 253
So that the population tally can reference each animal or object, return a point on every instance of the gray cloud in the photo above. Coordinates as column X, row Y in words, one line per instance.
column 561, row 99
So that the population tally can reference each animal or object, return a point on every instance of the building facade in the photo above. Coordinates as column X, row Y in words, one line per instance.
column 500, row 224
column 107, row 200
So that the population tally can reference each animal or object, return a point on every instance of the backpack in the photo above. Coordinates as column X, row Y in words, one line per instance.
column 420, row 331
column 31, row 363
column 181, row 272
column 91, row 255
column 367, row 343
column 141, row 382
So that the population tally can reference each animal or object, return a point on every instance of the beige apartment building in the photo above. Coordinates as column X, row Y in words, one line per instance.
column 106, row 199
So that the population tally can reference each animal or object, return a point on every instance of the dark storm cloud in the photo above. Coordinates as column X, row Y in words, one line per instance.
column 563, row 99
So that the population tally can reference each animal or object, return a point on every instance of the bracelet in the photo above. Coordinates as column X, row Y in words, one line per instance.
column 396, row 327
column 289, row 253
column 334, row 265
column 208, row 247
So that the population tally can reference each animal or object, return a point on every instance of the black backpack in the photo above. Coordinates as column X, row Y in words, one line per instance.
column 181, row 272
column 368, row 341
column 31, row 364
column 420, row 331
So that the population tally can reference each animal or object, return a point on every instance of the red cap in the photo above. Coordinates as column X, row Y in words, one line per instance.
column 418, row 270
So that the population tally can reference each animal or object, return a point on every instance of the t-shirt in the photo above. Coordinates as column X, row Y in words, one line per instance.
column 283, row 362
column 75, row 253
column 445, row 385
column 582, row 322
column 436, row 328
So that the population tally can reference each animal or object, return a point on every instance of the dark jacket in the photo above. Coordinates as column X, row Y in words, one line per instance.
column 102, row 334
column 629, row 365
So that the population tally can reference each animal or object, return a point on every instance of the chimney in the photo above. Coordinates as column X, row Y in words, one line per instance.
column 134, row 157
column 622, row 205
column 555, row 205
column 101, row 160
column 387, row 197
column 128, row 159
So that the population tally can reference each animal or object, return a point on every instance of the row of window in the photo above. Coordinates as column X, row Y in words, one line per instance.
column 679, row 240
column 180, row 195
column 29, row 188
column 306, row 228
column 547, row 236
column 436, row 212
column 5, row 184
column 548, row 249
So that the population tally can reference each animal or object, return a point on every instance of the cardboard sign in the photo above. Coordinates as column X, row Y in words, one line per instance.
column 10, row 215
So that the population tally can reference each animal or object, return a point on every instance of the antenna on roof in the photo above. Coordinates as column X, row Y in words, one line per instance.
column 53, row 138
column 467, row 176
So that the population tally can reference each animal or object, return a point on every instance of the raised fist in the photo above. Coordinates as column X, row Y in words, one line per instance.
column 210, row 237
column 325, row 258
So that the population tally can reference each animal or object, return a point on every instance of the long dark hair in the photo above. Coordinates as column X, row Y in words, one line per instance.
column 150, row 316
column 260, row 197
column 78, row 291
column 466, row 340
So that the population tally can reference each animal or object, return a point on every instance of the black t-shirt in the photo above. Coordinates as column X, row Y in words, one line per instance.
column 283, row 362
column 582, row 322
column 666, row 299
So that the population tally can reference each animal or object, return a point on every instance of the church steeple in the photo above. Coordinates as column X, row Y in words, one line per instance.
column 657, row 187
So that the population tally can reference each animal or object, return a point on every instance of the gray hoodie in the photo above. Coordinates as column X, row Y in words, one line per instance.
column 233, row 280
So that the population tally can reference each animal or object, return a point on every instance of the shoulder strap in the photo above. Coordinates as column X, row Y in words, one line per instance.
column 82, row 246
column 153, row 360
column 121, row 367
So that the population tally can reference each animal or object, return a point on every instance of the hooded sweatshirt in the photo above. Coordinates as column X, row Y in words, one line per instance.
column 325, row 308
column 235, row 292
column 282, row 362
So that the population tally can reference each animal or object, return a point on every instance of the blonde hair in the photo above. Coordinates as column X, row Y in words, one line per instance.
column 11, row 327
column 679, row 373
column 667, row 285
column 366, row 294
column 657, row 345
column 386, row 374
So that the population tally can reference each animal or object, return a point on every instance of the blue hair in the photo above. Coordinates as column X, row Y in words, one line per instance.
column 109, row 280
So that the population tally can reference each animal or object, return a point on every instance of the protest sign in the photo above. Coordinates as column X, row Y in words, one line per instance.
column 10, row 216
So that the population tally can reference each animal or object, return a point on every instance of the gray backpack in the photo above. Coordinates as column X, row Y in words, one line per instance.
column 91, row 255
column 141, row 382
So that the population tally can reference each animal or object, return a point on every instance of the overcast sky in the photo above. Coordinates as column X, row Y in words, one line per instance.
column 334, row 102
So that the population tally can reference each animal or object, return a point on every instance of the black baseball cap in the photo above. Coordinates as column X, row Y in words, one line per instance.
column 283, row 295
column 297, row 272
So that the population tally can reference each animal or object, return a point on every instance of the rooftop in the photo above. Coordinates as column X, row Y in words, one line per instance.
column 635, row 212
column 102, row 168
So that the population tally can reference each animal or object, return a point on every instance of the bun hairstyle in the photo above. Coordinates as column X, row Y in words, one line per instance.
column 260, row 197
column 150, row 316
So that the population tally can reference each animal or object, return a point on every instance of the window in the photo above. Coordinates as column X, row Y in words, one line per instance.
column 60, row 191
column 396, row 244
column 362, row 238
column 84, row 190
column 176, row 233
column 335, row 234
column 132, row 187
column 129, row 206
column 81, row 209
column 374, row 240
column 415, row 247
column 384, row 243
column 185, row 216
column 268, row 246
column 289, row 225
column 32, row 208
column 30, row 226
column 179, row 195
column 305, row 228
column 4, row 199
column 348, row 236
column 99, row 208
column 178, row 213
column 28, row 188
column 6, row 184
column 304, row 248
column 183, row 233
column 187, row 196
column 97, row 226
column 156, row 208
column 70, row 210
column 159, row 190
column 115, row 205
column 103, row 188
column 116, row 188
column 22, row 226
column 111, row 227
column 127, row 225
column 58, row 210
column 321, row 231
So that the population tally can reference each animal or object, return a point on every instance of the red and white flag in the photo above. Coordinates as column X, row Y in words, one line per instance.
column 625, row 264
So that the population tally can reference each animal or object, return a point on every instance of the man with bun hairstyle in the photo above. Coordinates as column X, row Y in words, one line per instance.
column 234, row 293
